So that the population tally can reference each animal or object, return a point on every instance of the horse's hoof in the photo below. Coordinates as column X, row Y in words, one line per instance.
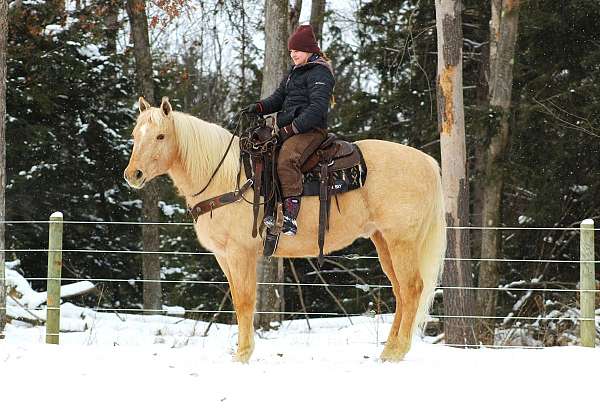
column 393, row 353
column 243, row 355
column 243, row 359
column 392, row 357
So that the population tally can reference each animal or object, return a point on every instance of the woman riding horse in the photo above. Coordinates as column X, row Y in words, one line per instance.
column 301, row 102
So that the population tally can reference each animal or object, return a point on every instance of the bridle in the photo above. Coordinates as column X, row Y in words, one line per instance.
column 212, row 203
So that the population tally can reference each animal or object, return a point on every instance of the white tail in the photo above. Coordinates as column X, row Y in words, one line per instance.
column 432, row 250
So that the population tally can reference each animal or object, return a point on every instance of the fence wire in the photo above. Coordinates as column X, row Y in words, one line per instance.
column 190, row 224
column 345, row 256
column 365, row 287
column 181, row 311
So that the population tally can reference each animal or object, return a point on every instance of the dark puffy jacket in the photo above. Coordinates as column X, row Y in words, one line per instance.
column 302, row 99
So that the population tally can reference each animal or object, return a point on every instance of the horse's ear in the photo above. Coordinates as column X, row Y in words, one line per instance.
column 143, row 104
column 165, row 106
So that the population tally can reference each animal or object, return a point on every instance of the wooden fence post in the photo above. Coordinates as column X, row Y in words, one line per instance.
column 54, row 273
column 587, row 282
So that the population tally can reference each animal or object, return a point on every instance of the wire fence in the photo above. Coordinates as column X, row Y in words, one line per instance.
column 190, row 224
column 362, row 286
column 365, row 287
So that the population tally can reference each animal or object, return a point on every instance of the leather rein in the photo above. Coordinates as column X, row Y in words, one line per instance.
column 208, row 205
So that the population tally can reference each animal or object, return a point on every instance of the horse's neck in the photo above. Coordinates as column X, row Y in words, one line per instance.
column 188, row 185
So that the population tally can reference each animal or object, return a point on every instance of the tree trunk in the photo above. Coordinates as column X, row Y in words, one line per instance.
column 111, row 21
column 3, row 35
column 317, row 15
column 136, row 10
column 60, row 10
column 270, row 297
column 295, row 12
column 457, row 302
column 503, row 37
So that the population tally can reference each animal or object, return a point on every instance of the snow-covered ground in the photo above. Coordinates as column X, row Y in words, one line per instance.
column 133, row 361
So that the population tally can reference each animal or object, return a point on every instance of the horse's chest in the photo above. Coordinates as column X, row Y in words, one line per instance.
column 212, row 236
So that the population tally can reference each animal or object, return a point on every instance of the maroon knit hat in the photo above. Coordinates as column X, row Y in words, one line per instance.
column 304, row 39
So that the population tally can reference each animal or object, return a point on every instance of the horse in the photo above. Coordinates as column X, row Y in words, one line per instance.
column 400, row 208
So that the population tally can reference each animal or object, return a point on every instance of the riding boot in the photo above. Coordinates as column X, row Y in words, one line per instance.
column 291, row 208
column 269, row 221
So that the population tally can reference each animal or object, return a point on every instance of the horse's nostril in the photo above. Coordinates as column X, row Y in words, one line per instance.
column 138, row 174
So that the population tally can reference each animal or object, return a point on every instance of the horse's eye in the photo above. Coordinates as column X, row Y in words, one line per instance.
column 160, row 137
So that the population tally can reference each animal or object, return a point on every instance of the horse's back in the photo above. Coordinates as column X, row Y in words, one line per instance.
column 402, row 181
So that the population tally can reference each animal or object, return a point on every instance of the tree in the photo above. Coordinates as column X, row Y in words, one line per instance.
column 503, row 37
column 269, row 297
column 317, row 15
column 3, row 35
column 459, row 301
column 111, row 20
column 136, row 10
column 295, row 11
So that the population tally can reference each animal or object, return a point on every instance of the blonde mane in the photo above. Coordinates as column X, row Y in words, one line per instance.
column 201, row 146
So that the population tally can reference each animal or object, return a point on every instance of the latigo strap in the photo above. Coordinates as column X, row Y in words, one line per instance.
column 209, row 205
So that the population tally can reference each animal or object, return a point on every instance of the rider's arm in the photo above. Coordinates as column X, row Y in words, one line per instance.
column 320, row 87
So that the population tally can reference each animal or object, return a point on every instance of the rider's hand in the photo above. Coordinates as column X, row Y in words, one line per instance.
column 252, row 109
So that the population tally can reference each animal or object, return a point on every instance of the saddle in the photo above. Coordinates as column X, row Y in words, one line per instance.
column 336, row 166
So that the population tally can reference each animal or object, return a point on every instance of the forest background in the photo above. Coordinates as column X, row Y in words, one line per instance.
column 71, row 106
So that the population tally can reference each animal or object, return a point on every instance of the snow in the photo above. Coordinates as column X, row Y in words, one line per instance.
column 158, row 361
column 24, row 302
column 579, row 188
column 53, row 29
column 170, row 209
column 92, row 52
column 525, row 219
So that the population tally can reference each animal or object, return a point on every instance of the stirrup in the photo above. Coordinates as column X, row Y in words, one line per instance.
column 269, row 222
column 290, row 227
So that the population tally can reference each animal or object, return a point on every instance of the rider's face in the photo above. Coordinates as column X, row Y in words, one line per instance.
column 299, row 57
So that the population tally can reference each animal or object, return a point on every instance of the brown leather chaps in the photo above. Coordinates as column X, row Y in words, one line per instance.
column 294, row 152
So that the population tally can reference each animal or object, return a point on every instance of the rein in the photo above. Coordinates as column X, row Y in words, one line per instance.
column 220, row 163
column 209, row 205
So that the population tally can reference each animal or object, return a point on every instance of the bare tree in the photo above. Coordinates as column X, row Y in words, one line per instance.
column 503, row 37
column 3, row 36
column 111, row 22
column 269, row 297
column 138, row 20
column 451, row 121
column 317, row 15
column 295, row 12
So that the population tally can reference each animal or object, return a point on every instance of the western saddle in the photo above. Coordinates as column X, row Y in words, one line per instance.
column 335, row 167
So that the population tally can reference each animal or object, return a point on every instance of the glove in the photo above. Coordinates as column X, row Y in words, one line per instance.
column 253, row 108
column 286, row 132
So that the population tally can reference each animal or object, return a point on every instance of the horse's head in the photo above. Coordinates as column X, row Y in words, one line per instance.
column 154, row 145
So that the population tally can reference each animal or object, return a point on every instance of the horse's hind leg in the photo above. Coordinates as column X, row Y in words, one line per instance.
column 406, row 267
column 385, row 259
column 241, row 274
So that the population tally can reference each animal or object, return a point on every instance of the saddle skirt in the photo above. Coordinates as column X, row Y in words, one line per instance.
column 345, row 167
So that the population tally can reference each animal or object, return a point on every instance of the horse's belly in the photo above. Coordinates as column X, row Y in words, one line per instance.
column 347, row 224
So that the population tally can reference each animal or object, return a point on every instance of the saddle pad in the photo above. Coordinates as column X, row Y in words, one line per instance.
column 342, row 180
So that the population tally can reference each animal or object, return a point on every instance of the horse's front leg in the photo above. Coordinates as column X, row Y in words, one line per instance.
column 241, row 274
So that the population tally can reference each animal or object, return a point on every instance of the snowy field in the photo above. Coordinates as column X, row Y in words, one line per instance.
column 133, row 361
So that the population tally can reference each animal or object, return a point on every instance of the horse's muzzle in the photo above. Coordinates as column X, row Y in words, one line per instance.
column 135, row 179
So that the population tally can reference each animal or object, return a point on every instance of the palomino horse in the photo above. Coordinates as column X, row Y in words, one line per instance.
column 400, row 208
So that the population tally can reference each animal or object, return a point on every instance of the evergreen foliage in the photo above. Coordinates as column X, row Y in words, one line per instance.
column 71, row 109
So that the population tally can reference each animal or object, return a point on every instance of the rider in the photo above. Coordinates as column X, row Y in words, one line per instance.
column 301, row 102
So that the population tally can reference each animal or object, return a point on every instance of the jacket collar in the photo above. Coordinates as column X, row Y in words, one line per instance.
column 312, row 61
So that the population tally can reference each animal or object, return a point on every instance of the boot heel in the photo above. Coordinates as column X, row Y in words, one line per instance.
column 269, row 222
